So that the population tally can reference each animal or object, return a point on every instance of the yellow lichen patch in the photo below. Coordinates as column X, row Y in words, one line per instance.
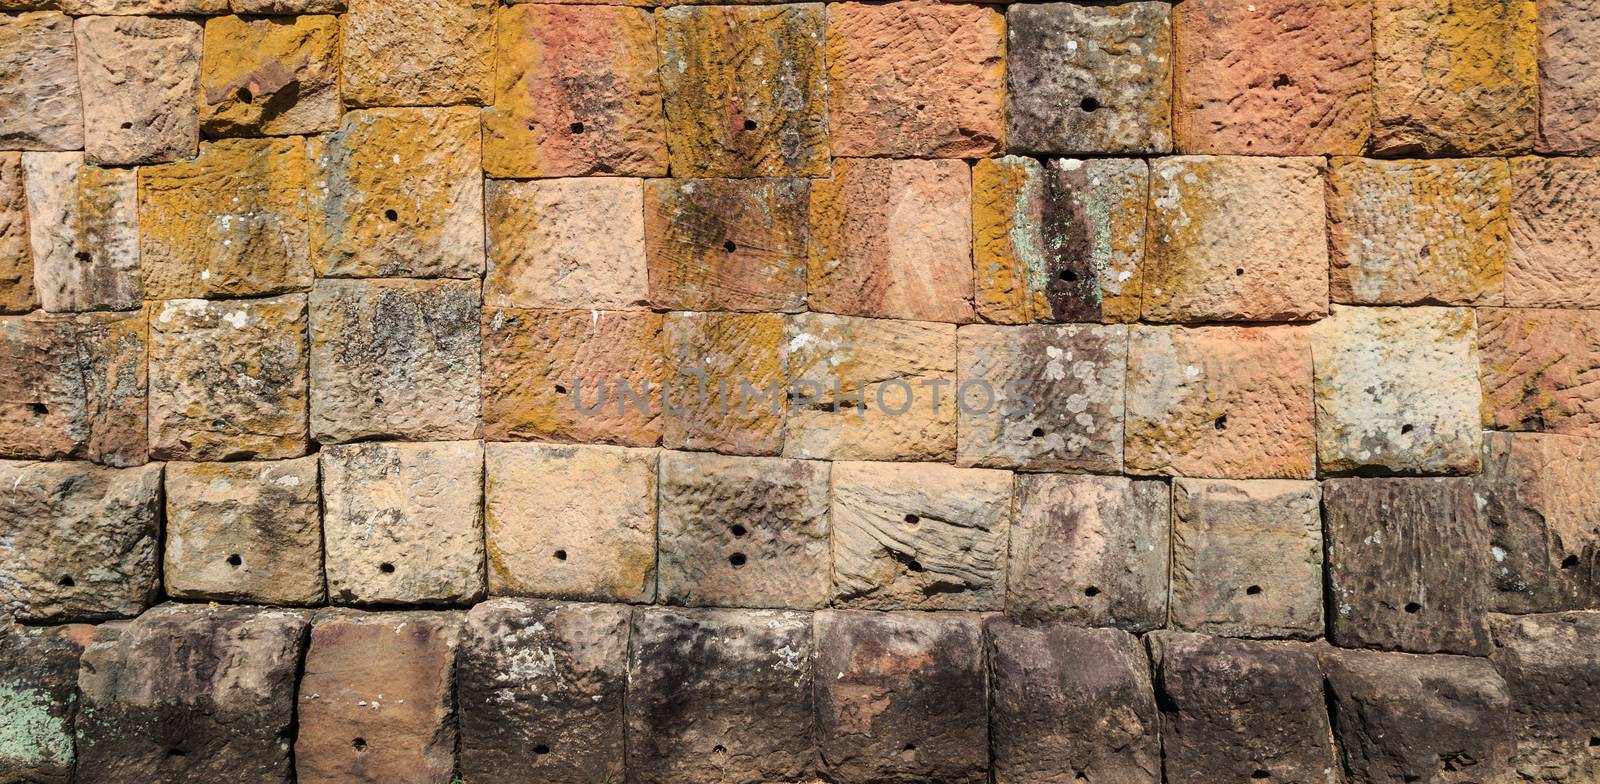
column 1005, row 235
column 270, row 75
column 724, row 369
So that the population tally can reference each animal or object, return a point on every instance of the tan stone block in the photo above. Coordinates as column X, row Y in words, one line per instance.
column 83, row 223
column 572, row 243
column 919, row 536
column 909, row 79
column 727, row 244
column 575, row 93
column 270, row 76
column 244, row 532
column 1555, row 233
column 1569, row 89
column 74, row 387
column 1395, row 390
column 892, row 239
column 1539, row 369
column 291, row 7
column 1236, row 239
column 726, row 382
column 40, row 106
column 228, row 379
column 1405, row 232
column 745, row 90
column 398, row 193
column 16, row 251
column 232, row 222
column 403, row 522
column 429, row 53
column 1541, row 498
column 144, row 7
column 1221, row 402
column 142, row 76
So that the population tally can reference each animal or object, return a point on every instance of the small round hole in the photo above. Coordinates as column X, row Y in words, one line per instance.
column 921, row 106
column 1569, row 562
column 386, row 568
column 176, row 753
column 1254, row 590
column 1038, row 432
column 576, row 127
column 125, row 126
column 738, row 530
column 235, row 561
column 737, row 559
column 391, row 215
column 1089, row 103
column 1221, row 423
column 729, row 246
column 912, row 519
column 1594, row 742
column 1413, row 607
column 561, row 390
column 541, row 749
column 749, row 125
column 1238, row 272
column 82, row 255
column 910, row 747
column 66, row 581
column 39, row 408
column 719, row 749
column 1260, row 774
column 359, row 744
column 1069, row 275
column 245, row 96
column 561, row 555
column 1091, row 591
column 1283, row 80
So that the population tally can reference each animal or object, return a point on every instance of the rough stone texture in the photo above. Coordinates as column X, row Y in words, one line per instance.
column 228, row 378
column 727, row 244
column 144, row 7
column 744, row 531
column 1408, row 565
column 1396, row 390
column 40, row 107
column 1089, row 550
column 572, row 243
column 397, row 193
column 1247, row 557
column 377, row 699
column 403, row 523
column 74, row 387
column 1406, row 232
column 191, row 693
column 83, row 222
column 40, row 692
column 919, row 536
column 232, row 222
column 1275, row 77
column 720, row 696
column 892, row 239
column 287, row 6
column 1236, row 239
column 1539, row 369
column 1454, row 77
column 1058, row 241
column 1541, row 499
column 558, row 375
column 141, row 75
column 244, row 532
column 913, row 79
column 395, row 358
column 16, row 250
column 1223, row 402
column 541, row 692
column 571, row 522
column 1070, row 704
column 1555, row 233
column 726, row 377
column 745, row 90
column 870, row 389
column 901, row 697
column 428, row 53
column 269, row 76
column 1042, row 398
column 575, row 93
column 1551, row 664
column 1569, row 111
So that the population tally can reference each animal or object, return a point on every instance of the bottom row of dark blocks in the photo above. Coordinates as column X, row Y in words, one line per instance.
column 523, row 691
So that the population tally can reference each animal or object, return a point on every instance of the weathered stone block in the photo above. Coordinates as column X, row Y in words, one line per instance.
column 228, row 378
column 1536, row 369
column 16, row 251
column 573, row 243
column 1404, row 232
column 83, row 222
column 727, row 244
column 40, row 106
column 1070, row 704
column 575, row 93
column 144, row 7
column 431, row 53
column 1224, row 402
column 270, row 76
column 919, row 536
column 75, row 386
column 403, row 522
column 720, row 695
column 396, row 358
column 248, row 531
column 1236, row 239
column 891, row 239
column 142, row 76
column 571, row 522
column 541, row 689
column 290, row 7
column 1555, row 233
column 1569, row 110
column 1540, row 498
column 1408, row 565
column 744, row 531
column 1395, row 390
column 745, row 90
column 726, row 377
column 1247, row 557
column 1089, row 78
column 40, row 692
column 1551, row 664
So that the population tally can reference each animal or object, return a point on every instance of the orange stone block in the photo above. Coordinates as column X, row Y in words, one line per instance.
column 1541, row 369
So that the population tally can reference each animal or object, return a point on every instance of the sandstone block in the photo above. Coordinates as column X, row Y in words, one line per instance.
column 1220, row 402
column 1536, row 367
column 573, row 243
column 744, row 531
column 575, row 93
column 720, row 695
column 431, row 53
column 744, row 90
column 268, row 76
column 40, row 689
column 1551, row 664
column 921, row 536
column 1089, row 78
column 725, row 377
column 541, row 691
column 228, row 378
column 1236, row 239
column 40, row 105
column 291, row 7
column 75, row 387
column 571, row 522
column 1070, row 704
column 1569, row 95
column 1059, row 241
column 727, row 244
column 16, row 252
column 891, row 239
column 397, row 358
column 403, row 522
column 1454, row 78
column 1408, row 563
column 244, row 532
column 144, row 7
column 1555, row 233
column 1541, row 500
column 83, row 223
column 1394, row 390
column 1405, row 232
column 142, row 76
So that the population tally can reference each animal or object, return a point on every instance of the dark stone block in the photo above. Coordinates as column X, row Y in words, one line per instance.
column 1551, row 664
column 38, row 700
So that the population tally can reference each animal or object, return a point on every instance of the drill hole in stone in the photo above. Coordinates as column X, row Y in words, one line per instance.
column 1069, row 275
column 1254, row 590
column 1413, row 608
column 1092, row 591
column 1089, row 103
column 729, row 246
column 1038, row 432
column 1260, row 774
column 1238, row 272
column 1569, row 562
column 1406, row 429
column 176, row 753
column 719, row 749
column 235, row 561
column 737, row 530
column 541, row 749
column 1283, row 80
column 66, row 581
column 125, row 126
column 910, row 747
column 391, row 215
column 245, row 96
column 561, row 555
column 39, row 408
column 82, row 255
column 576, row 127
column 912, row 519
column 561, row 390
column 737, row 560
column 386, row 568
column 749, row 125
column 1594, row 742
column 359, row 744
column 1221, row 423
